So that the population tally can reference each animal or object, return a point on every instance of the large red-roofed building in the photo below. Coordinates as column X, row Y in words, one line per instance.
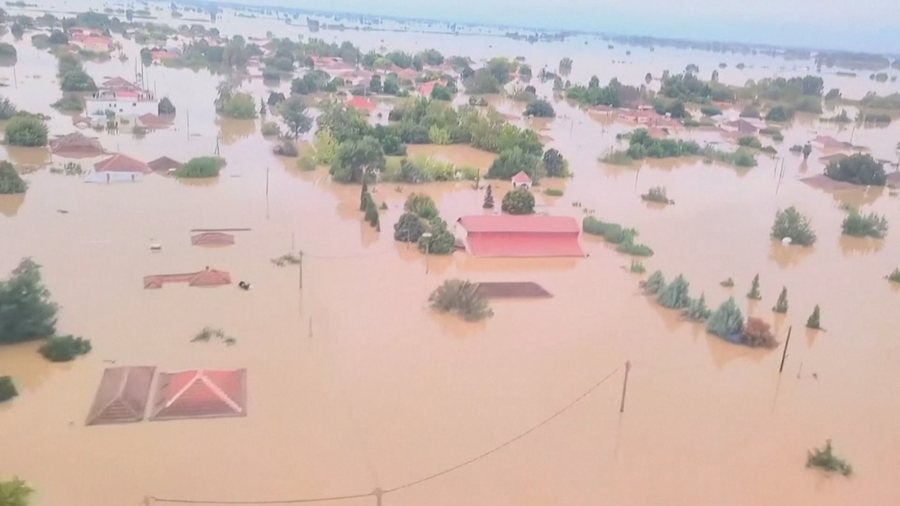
column 507, row 235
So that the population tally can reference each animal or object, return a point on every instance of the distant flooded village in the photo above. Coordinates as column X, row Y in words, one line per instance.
column 269, row 256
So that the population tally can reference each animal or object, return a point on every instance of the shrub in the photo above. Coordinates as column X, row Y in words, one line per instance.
column 870, row 225
column 518, row 201
column 204, row 166
column 7, row 109
column 306, row 163
column 69, row 103
column 461, row 297
column 64, row 348
column 441, row 241
column 629, row 247
column 675, row 295
column 780, row 113
column 637, row 266
column 10, row 180
column 656, row 194
column 270, row 129
column 165, row 107
column 791, row 224
column 728, row 283
column 77, row 80
column 710, row 110
column 554, row 164
column 421, row 205
column 697, row 310
column 540, row 109
column 240, row 106
column 14, row 492
column 7, row 390
column 409, row 228
column 27, row 312
column 654, row 284
column 750, row 141
column 754, row 289
column 894, row 277
column 726, row 321
column 813, row 321
column 286, row 148
column 612, row 232
column 826, row 460
column 511, row 161
column 26, row 130
column 859, row 169
column 757, row 334
column 553, row 192
column 781, row 306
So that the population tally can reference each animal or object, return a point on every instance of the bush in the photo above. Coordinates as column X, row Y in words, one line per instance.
column 859, row 169
column 553, row 192
column 204, row 166
column 554, row 164
column 240, row 106
column 826, row 460
column 27, row 312
column 270, row 129
column 26, row 130
column 726, row 321
column 757, row 334
column 656, row 194
column 612, row 232
column 637, row 266
column 7, row 390
column 441, row 241
column 77, row 80
column 697, row 310
column 813, row 321
column 7, row 109
column 69, row 103
column 870, row 225
column 511, row 161
column 165, row 107
column 791, row 224
column 629, row 247
column 10, row 180
column 710, row 110
column 642, row 145
column 409, row 228
column 750, row 142
column 780, row 113
column 65, row 348
column 518, row 201
column 306, row 163
column 754, row 289
column 286, row 148
column 654, row 284
column 461, row 297
column 540, row 109
column 14, row 492
column 675, row 295
column 421, row 205
column 894, row 277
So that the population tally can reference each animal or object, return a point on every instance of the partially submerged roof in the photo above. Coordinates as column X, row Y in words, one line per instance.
column 122, row 163
column 76, row 145
column 164, row 164
column 206, row 277
column 511, row 289
column 508, row 223
column 362, row 104
column 119, row 83
column 521, row 177
column 200, row 394
column 121, row 396
column 155, row 121
column 212, row 239
column 522, row 236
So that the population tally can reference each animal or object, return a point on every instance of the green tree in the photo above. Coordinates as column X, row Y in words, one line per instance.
column 565, row 66
column 17, row 31
column 58, row 38
column 482, row 82
column 356, row 159
column 7, row 109
column 654, row 284
column 554, row 164
column 26, row 130
column 870, row 225
column 421, row 205
column 780, row 113
column 813, row 321
column 10, row 180
column 409, row 228
column 240, row 106
column 540, row 109
column 727, row 321
column 754, row 289
column 859, row 169
column 146, row 56
column 204, row 166
column 789, row 223
column 697, row 309
column 7, row 392
column 375, row 84
column 807, row 150
column 14, row 492
column 461, row 297
column 826, row 459
column 782, row 305
column 518, row 201
column 511, row 161
column 675, row 295
column 26, row 312
column 293, row 112
column 488, row 198
column 441, row 241
column 77, row 80
column 165, row 107
column 64, row 348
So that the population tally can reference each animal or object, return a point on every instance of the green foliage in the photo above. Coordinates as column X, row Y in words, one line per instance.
column 64, row 348
column 240, row 106
column 656, row 194
column 287, row 259
column 870, row 225
column 8, row 51
column 518, row 201
column 482, row 82
column 441, row 241
column 697, row 310
column 790, row 223
column 488, row 198
column 77, row 80
column 293, row 112
column 7, row 392
column 612, row 232
column 326, row 146
column 461, row 297
column 727, row 321
column 270, row 128
column 654, row 284
column 7, row 109
column 637, row 266
column 813, row 321
column 165, row 107
column 750, row 141
column 859, row 169
column 511, row 161
column 780, row 113
column 894, row 277
column 728, row 283
column 642, row 145
column 421, row 205
column 710, row 110
column 554, row 192
column 675, row 295
column 554, row 164
column 540, row 109
column 14, row 492
column 409, row 228
column 26, row 312
column 614, row 94
column 208, row 333
column 204, row 166
column 873, row 101
column 287, row 148
column 629, row 247
column 781, row 306
column 10, row 180
column 306, row 163
column 26, row 130
column 69, row 103
column 356, row 159
column 754, row 289
column 825, row 459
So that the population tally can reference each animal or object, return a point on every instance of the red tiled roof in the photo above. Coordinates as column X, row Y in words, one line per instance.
column 206, row 277
column 122, row 395
column 200, row 394
column 426, row 88
column 119, row 83
column 122, row 163
column 212, row 239
column 521, row 177
column 362, row 103
column 532, row 223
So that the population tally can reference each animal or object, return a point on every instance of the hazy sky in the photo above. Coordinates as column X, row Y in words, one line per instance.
column 871, row 25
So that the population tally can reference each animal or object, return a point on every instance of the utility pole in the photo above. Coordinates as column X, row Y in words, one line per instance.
column 784, row 353
column 625, row 385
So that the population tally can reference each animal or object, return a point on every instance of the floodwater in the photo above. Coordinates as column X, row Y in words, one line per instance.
column 353, row 383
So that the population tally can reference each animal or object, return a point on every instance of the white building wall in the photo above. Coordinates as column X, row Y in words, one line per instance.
column 121, row 107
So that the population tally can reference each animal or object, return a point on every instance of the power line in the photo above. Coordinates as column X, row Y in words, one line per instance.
column 380, row 492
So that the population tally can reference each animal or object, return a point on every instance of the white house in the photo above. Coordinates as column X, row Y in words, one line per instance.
column 118, row 168
column 121, row 102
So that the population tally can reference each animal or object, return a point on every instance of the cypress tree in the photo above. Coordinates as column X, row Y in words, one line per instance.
column 754, row 289
column 782, row 305
column 488, row 198
column 364, row 196
column 813, row 321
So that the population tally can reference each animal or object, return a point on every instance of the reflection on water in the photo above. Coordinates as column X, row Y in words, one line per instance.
column 789, row 255
column 232, row 130
column 862, row 246
column 10, row 204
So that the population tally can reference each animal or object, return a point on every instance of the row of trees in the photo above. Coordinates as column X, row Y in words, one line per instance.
column 623, row 238
column 791, row 225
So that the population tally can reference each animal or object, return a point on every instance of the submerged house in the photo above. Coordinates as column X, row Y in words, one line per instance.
column 76, row 145
column 116, row 168
column 200, row 394
column 505, row 235
column 122, row 395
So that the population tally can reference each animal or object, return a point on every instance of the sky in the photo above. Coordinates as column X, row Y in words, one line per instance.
column 859, row 25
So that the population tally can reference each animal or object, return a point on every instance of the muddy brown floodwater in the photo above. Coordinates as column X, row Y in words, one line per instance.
column 353, row 383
